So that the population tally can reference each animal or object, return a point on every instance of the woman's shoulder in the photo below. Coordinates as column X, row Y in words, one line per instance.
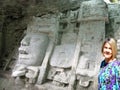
column 116, row 63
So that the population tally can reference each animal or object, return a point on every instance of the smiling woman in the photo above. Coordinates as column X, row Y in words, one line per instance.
column 109, row 74
column 109, row 49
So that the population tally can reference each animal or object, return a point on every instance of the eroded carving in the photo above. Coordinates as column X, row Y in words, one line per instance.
column 85, row 66
column 86, row 70
column 31, row 53
column 40, row 33
column 61, row 59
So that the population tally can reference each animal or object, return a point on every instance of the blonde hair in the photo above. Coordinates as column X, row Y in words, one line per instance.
column 113, row 45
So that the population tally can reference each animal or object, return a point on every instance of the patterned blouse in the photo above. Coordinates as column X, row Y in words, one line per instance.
column 109, row 76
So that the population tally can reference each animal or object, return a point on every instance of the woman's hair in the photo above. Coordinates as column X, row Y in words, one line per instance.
column 113, row 45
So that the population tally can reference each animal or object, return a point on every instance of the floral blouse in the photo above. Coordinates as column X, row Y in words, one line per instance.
column 109, row 76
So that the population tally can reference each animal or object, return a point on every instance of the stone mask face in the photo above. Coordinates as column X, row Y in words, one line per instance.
column 32, row 49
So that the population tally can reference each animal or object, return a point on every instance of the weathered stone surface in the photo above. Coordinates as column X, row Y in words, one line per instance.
column 93, row 10
column 62, row 56
column 91, row 34
column 32, row 74
column 32, row 54
column 71, row 42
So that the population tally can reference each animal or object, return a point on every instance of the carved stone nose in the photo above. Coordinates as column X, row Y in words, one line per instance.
column 24, row 50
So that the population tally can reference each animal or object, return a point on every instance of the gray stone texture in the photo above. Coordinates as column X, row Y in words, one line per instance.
column 58, row 42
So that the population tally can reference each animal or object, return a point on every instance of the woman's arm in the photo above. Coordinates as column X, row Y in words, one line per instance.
column 117, row 72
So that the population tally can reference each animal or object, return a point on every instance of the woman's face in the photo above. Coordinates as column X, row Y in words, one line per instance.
column 107, row 51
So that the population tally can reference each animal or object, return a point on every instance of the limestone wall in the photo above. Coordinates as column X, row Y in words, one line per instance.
column 72, row 50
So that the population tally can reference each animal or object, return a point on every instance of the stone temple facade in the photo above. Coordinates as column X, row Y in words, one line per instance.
column 63, row 51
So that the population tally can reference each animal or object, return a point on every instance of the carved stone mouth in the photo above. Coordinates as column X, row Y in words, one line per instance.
column 24, row 56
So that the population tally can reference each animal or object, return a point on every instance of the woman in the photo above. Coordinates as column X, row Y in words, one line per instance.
column 109, row 75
